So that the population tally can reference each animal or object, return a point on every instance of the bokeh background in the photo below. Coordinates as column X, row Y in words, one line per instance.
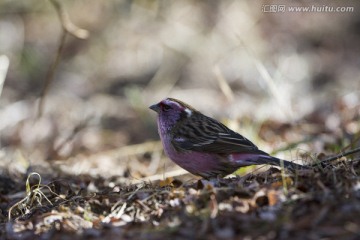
column 277, row 77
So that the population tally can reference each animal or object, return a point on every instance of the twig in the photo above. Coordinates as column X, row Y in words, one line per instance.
column 4, row 66
column 81, row 126
column 174, row 173
column 67, row 27
column 357, row 138
column 223, row 84
column 33, row 193
column 355, row 160
column 66, row 23
column 50, row 74
column 270, row 82
column 283, row 178
column 291, row 145
column 355, row 150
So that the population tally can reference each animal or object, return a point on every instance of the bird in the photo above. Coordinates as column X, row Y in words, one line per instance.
column 204, row 146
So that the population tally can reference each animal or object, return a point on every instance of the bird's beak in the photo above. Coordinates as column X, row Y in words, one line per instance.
column 155, row 107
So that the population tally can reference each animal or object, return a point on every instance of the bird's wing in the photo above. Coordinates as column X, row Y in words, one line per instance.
column 204, row 134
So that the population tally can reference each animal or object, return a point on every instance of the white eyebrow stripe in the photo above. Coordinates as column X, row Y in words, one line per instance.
column 169, row 102
column 188, row 112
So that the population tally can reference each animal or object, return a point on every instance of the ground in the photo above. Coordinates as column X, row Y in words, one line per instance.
column 80, row 157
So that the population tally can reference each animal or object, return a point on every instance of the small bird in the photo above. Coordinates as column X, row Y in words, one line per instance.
column 203, row 146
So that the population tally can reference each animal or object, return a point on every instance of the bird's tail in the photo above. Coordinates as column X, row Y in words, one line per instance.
column 281, row 163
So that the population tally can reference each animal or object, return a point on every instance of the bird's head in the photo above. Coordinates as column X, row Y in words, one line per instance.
column 171, row 111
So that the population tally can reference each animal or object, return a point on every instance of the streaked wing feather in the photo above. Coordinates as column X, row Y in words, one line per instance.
column 203, row 134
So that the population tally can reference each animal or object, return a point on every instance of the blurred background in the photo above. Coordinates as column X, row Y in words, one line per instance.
column 289, row 81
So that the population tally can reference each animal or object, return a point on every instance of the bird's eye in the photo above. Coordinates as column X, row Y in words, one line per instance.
column 166, row 108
